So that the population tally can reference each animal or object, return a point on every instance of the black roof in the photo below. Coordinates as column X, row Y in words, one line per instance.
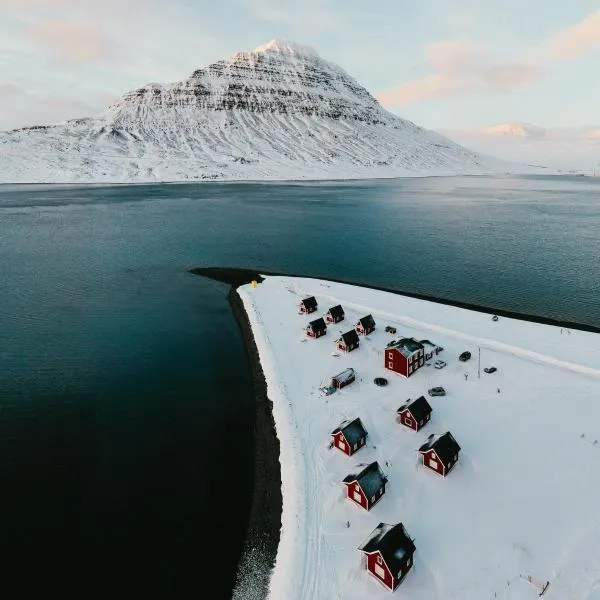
column 350, row 337
column 367, row 321
column 393, row 543
column 318, row 324
column 310, row 302
column 336, row 311
column 445, row 446
column 353, row 431
column 370, row 479
column 419, row 408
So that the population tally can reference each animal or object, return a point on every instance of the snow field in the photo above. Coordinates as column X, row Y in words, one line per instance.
column 522, row 499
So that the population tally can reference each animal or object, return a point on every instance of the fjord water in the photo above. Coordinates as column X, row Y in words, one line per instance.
column 126, row 403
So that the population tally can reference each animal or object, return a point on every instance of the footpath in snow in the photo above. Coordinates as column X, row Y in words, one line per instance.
column 523, row 498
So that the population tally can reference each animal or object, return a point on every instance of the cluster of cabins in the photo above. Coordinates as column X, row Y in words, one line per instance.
column 404, row 356
column 388, row 549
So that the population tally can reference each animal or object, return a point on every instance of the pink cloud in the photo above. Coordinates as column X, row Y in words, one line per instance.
column 578, row 39
column 75, row 41
column 504, row 77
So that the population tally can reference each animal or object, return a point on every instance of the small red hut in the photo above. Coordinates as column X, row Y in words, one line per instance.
column 349, row 437
column 308, row 305
column 365, row 326
column 440, row 453
column 367, row 486
column 316, row 328
column 341, row 380
column 415, row 413
column 348, row 342
column 404, row 356
column 335, row 314
column 389, row 554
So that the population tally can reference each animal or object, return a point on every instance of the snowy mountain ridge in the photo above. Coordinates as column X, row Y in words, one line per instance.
column 277, row 112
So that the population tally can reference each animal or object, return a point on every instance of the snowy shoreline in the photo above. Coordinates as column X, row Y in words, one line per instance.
column 317, row 555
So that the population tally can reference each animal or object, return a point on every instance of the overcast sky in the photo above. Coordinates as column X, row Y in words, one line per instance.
column 443, row 64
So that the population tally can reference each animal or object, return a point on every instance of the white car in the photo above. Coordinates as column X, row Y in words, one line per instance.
column 439, row 364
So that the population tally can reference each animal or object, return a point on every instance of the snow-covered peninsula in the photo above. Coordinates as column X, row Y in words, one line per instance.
column 278, row 112
column 521, row 501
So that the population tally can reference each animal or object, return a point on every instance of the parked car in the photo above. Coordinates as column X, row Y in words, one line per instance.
column 490, row 370
column 390, row 329
column 437, row 391
column 466, row 355
column 439, row 364
column 380, row 381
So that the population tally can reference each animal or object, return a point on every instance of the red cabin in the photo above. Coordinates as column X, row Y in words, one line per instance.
column 341, row 380
column 404, row 356
column 308, row 305
column 415, row 413
column 389, row 554
column 335, row 314
column 316, row 328
column 367, row 486
column 349, row 437
column 365, row 326
column 348, row 342
column 440, row 453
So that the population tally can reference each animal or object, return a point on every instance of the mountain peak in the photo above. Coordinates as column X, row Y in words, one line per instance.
column 515, row 129
column 283, row 46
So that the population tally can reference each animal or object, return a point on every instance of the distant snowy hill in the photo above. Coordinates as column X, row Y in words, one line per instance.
column 278, row 112
column 566, row 149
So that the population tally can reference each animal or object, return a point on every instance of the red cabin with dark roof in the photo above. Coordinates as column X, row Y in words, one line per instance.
column 365, row 326
column 335, row 314
column 367, row 486
column 349, row 437
column 404, row 356
column 308, row 305
column 348, row 342
column 415, row 413
column 440, row 453
column 316, row 328
column 389, row 554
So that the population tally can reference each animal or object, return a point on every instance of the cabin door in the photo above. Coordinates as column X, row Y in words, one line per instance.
column 341, row 445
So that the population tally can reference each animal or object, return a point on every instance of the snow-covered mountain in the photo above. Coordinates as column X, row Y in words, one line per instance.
column 278, row 112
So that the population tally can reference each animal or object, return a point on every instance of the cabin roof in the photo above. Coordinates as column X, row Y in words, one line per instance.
column 336, row 311
column 349, row 338
column 367, row 321
column 419, row 408
column 445, row 446
column 318, row 324
column 392, row 542
column 310, row 302
column 406, row 346
column 345, row 375
column 370, row 479
column 353, row 431
column 428, row 343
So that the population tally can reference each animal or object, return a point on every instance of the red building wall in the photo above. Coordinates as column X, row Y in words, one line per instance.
column 347, row 449
column 355, row 494
column 432, row 461
column 380, row 570
column 405, row 418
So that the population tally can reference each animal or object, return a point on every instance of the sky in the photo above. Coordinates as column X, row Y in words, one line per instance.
column 456, row 65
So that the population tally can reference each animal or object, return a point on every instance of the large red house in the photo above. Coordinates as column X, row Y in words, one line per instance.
column 348, row 342
column 404, row 356
column 335, row 314
column 367, row 486
column 316, row 328
column 415, row 413
column 349, row 437
column 389, row 554
column 365, row 326
column 440, row 453
column 308, row 305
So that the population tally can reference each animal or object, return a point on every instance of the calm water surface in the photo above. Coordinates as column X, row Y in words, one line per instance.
column 125, row 395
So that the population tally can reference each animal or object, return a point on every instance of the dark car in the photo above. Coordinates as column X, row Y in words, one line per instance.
column 466, row 355
column 437, row 391
column 490, row 370
column 380, row 381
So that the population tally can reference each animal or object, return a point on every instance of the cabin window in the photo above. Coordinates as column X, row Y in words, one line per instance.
column 379, row 559
column 355, row 446
column 341, row 444
column 421, row 423
column 379, row 572
column 372, row 498
column 433, row 463
column 455, row 457
column 408, row 561
column 390, row 365
column 358, row 497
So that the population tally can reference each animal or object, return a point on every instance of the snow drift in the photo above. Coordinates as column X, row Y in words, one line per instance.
column 278, row 112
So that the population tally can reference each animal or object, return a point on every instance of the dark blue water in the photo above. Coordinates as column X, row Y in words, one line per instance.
column 125, row 395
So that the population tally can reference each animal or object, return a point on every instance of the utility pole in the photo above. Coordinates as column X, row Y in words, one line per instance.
column 478, row 362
